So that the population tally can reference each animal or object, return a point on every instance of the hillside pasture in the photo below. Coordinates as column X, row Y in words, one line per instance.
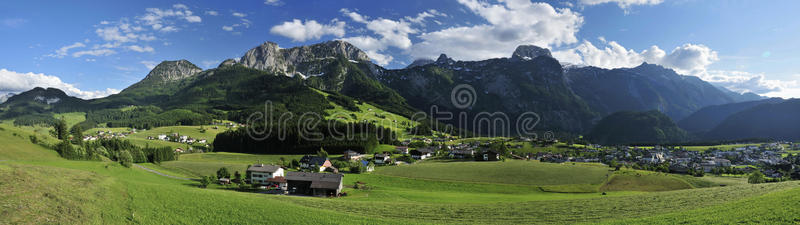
column 37, row 187
column 510, row 172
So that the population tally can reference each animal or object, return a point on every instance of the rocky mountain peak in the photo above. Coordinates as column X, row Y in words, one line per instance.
column 528, row 52
column 444, row 60
column 227, row 62
column 420, row 62
column 173, row 70
column 270, row 57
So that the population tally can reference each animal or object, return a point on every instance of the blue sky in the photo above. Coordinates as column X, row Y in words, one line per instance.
column 95, row 48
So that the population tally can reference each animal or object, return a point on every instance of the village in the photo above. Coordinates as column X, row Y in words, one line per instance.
column 319, row 175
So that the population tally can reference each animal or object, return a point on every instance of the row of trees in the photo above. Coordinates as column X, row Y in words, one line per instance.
column 289, row 139
column 144, row 117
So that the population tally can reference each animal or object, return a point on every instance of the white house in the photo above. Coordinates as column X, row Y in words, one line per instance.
column 259, row 173
column 422, row 153
column 381, row 159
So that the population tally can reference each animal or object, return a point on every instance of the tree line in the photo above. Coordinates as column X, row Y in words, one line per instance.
column 360, row 137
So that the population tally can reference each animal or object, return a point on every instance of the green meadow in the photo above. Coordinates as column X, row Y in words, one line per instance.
column 38, row 187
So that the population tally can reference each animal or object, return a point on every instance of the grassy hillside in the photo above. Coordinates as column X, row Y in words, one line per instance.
column 511, row 172
column 644, row 181
column 196, row 165
column 369, row 113
column 38, row 187
column 71, row 118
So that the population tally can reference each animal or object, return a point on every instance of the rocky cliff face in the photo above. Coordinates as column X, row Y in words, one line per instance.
column 168, row 71
column 420, row 62
column 643, row 88
column 295, row 61
column 528, row 52
column 533, row 83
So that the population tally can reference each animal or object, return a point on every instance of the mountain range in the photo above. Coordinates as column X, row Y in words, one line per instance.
column 567, row 99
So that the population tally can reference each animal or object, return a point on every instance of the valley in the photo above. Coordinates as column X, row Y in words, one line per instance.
column 137, row 196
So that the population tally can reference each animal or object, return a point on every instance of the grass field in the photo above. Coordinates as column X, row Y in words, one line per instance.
column 71, row 118
column 644, row 181
column 370, row 113
column 196, row 165
column 510, row 172
column 38, row 187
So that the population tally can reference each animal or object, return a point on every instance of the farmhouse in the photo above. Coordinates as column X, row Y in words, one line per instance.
column 315, row 162
column 351, row 155
column 260, row 173
column 462, row 154
column 381, row 159
column 315, row 184
column 401, row 149
column 488, row 155
column 422, row 153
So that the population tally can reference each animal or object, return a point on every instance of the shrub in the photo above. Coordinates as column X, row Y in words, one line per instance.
column 756, row 178
column 205, row 181
column 125, row 158
column 357, row 167
column 223, row 173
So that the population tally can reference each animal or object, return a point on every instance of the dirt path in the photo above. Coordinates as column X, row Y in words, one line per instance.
column 162, row 174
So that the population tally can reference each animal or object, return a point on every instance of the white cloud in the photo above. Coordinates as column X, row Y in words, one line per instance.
column 624, row 4
column 212, row 13
column 137, row 48
column 300, row 31
column 15, row 82
column 689, row 59
column 387, row 33
column 149, row 64
column 118, row 33
column 510, row 24
column 94, row 52
column 121, row 33
column 740, row 81
column 354, row 16
column 168, row 29
column 244, row 22
column 157, row 18
column 63, row 51
column 273, row 2
column 420, row 18
column 393, row 33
